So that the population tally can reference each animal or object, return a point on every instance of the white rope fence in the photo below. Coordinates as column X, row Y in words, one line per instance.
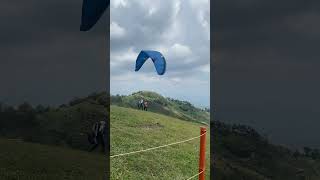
column 162, row 146
column 195, row 175
column 158, row 147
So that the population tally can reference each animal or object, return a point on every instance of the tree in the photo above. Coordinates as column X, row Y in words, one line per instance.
column 307, row 151
column 9, row 109
column 315, row 154
column 103, row 100
column 296, row 154
column 63, row 106
column 75, row 101
column 40, row 108
column 25, row 107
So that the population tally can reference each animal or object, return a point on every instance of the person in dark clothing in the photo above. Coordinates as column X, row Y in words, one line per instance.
column 145, row 105
column 98, row 136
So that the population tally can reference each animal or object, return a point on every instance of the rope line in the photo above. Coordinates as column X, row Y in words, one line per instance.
column 195, row 175
column 158, row 147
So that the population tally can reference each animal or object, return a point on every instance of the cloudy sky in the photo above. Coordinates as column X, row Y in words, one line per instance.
column 267, row 67
column 44, row 58
column 179, row 29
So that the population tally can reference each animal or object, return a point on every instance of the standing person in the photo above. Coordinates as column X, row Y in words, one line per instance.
column 141, row 104
column 98, row 135
column 145, row 105
column 95, row 129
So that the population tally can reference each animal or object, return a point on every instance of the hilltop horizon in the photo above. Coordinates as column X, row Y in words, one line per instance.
column 170, row 97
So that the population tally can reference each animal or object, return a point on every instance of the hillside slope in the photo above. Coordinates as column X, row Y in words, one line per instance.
column 241, row 153
column 133, row 130
column 162, row 105
column 65, row 125
column 25, row 161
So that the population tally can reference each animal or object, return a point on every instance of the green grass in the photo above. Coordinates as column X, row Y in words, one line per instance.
column 133, row 130
column 28, row 161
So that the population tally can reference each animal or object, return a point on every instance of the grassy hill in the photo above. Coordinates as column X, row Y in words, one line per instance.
column 162, row 105
column 65, row 125
column 241, row 153
column 50, row 143
column 29, row 161
column 58, row 143
column 133, row 130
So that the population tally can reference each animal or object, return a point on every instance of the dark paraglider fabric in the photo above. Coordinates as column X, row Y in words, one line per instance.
column 157, row 58
column 92, row 10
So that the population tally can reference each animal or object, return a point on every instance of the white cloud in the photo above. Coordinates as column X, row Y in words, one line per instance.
column 205, row 68
column 176, row 79
column 177, row 7
column 181, row 50
column 122, row 58
column 116, row 31
column 202, row 14
column 152, row 11
column 119, row 3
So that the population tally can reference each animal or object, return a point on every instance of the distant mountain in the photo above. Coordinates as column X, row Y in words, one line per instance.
column 168, row 106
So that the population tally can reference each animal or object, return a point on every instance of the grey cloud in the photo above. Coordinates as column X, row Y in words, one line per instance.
column 266, row 62
column 44, row 57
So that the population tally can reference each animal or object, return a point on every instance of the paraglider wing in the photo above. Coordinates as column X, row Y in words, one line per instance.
column 92, row 10
column 157, row 58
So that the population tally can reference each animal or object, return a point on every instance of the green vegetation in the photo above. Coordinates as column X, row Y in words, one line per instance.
column 168, row 106
column 133, row 130
column 66, row 125
column 241, row 153
column 28, row 161
column 51, row 143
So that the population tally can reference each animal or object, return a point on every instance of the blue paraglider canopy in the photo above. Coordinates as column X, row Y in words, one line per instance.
column 92, row 10
column 157, row 58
